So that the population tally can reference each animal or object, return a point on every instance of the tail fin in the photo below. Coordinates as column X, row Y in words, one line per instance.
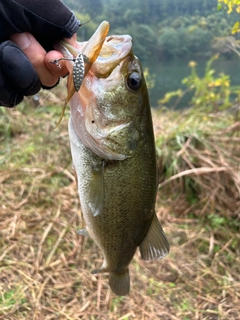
column 120, row 282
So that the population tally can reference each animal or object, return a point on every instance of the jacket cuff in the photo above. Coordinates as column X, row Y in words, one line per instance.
column 72, row 26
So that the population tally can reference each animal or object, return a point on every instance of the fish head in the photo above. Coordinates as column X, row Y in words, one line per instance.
column 107, row 111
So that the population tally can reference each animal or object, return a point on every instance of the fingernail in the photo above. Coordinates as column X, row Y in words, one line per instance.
column 22, row 40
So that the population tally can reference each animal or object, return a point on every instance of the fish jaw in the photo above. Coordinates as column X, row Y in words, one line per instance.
column 98, row 126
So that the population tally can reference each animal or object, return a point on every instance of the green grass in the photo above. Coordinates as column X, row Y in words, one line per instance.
column 45, row 267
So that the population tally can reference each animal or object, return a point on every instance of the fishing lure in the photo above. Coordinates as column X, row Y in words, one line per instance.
column 82, row 62
column 78, row 69
column 77, row 76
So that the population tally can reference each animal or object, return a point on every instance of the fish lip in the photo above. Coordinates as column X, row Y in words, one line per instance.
column 114, row 51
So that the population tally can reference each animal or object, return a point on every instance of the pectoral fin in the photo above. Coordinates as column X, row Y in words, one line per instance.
column 96, row 190
column 155, row 245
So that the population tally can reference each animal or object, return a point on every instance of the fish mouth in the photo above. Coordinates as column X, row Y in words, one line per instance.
column 102, row 53
column 89, row 49
column 111, row 65
column 114, row 51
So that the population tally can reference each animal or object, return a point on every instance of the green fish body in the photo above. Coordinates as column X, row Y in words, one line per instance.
column 113, row 152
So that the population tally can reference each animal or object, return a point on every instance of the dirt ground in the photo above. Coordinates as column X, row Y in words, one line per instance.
column 45, row 267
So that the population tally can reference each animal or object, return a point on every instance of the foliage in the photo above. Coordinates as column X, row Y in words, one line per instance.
column 149, row 78
column 45, row 266
column 183, row 41
column 211, row 93
column 232, row 5
column 169, row 29
column 226, row 45
column 198, row 148
column 198, row 161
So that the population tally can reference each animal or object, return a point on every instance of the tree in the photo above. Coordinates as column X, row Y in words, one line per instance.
column 164, row 28
column 168, row 43
column 232, row 5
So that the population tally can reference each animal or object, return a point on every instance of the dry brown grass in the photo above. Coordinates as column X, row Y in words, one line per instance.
column 45, row 266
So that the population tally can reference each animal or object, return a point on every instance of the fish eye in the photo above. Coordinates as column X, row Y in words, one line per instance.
column 134, row 81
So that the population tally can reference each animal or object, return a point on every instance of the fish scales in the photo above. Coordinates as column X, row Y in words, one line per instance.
column 113, row 152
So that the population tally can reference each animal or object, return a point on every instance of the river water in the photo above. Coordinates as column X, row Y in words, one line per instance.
column 168, row 76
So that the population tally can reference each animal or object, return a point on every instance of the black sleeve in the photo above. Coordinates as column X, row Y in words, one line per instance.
column 17, row 75
column 47, row 20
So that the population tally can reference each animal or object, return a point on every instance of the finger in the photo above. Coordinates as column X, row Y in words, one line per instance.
column 36, row 54
column 56, row 55
column 51, row 56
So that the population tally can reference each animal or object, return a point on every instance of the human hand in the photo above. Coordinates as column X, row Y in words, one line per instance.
column 30, row 29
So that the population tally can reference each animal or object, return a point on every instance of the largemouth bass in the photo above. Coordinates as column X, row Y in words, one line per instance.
column 113, row 152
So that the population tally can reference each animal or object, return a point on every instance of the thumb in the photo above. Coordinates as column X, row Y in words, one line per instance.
column 36, row 54
column 56, row 55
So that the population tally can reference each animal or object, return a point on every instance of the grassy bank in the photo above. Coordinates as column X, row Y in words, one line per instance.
column 45, row 266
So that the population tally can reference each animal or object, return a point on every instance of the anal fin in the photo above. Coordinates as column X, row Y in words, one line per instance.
column 155, row 245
